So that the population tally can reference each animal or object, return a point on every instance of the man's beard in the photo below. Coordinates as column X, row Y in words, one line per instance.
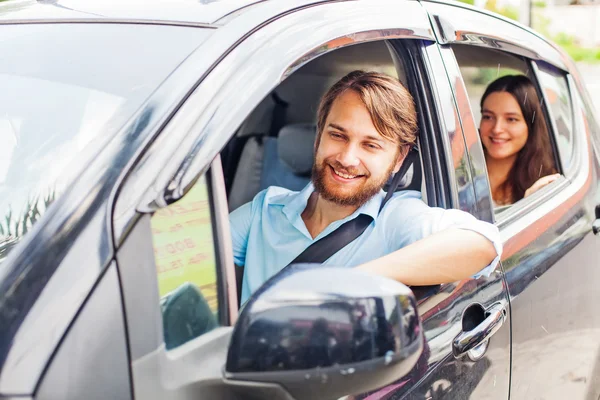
column 369, row 188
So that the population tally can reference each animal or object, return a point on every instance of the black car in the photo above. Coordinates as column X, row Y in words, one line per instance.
column 129, row 130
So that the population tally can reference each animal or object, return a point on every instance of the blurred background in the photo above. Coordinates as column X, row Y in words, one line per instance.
column 572, row 24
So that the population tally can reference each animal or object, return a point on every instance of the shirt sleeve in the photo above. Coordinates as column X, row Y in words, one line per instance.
column 240, row 223
column 410, row 219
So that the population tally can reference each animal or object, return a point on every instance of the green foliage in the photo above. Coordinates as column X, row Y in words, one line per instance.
column 569, row 43
column 13, row 228
column 470, row 2
column 507, row 11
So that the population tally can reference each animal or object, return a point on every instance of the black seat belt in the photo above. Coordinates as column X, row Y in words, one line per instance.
column 321, row 250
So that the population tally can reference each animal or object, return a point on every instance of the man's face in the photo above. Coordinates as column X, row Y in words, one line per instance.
column 353, row 161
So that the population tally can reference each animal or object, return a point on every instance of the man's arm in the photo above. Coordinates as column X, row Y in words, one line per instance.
column 446, row 256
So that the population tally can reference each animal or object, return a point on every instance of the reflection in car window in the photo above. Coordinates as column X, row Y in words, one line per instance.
column 59, row 104
column 186, row 266
column 556, row 92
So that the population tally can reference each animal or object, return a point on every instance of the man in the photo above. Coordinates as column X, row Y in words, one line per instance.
column 366, row 124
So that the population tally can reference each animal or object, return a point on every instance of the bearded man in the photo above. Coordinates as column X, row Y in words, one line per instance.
column 366, row 124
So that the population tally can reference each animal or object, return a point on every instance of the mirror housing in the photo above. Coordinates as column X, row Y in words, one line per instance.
column 323, row 333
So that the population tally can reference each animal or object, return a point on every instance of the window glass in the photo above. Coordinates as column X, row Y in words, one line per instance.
column 186, row 266
column 513, row 130
column 59, row 105
column 480, row 67
column 556, row 93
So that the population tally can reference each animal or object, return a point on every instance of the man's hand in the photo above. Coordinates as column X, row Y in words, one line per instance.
column 447, row 256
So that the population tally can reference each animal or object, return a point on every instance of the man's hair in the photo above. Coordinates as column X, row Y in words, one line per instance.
column 389, row 103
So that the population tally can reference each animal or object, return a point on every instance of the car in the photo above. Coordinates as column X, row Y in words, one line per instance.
column 130, row 130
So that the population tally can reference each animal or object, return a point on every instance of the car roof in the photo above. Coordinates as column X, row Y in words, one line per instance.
column 189, row 12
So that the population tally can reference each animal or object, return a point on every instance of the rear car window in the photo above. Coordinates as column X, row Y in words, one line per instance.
column 66, row 89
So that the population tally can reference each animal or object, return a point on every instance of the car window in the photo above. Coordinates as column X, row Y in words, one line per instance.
column 59, row 104
column 556, row 95
column 186, row 266
column 509, row 111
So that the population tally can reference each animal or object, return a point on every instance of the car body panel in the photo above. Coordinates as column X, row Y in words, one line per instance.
column 552, row 274
column 75, row 232
column 92, row 360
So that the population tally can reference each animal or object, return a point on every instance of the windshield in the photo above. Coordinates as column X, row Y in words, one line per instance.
column 65, row 89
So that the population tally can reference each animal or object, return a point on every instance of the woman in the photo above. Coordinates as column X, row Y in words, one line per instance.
column 515, row 140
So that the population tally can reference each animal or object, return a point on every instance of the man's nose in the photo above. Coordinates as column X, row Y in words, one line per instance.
column 348, row 157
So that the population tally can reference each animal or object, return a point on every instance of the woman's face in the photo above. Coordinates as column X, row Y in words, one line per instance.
column 503, row 128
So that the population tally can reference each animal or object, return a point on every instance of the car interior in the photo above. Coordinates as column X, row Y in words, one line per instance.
column 275, row 144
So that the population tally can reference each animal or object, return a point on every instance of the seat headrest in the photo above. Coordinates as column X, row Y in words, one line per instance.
column 295, row 145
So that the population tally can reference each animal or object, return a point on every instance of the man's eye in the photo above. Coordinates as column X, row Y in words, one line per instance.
column 372, row 146
column 335, row 135
column 512, row 120
column 486, row 117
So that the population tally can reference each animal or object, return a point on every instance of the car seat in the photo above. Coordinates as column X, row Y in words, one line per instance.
column 285, row 160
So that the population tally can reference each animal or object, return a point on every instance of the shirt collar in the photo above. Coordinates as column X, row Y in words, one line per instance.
column 295, row 203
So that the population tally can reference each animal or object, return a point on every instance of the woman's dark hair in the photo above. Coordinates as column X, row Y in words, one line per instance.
column 535, row 159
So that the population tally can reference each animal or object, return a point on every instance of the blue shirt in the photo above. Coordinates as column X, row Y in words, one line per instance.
column 268, row 233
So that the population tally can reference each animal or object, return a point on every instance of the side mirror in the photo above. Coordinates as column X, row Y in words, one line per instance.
column 323, row 333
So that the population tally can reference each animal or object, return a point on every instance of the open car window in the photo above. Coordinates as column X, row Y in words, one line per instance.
column 275, row 144
column 514, row 123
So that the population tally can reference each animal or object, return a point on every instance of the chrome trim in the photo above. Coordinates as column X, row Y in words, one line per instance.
column 359, row 37
column 192, row 12
column 473, row 339
column 576, row 162
column 106, row 21
column 205, row 112
column 517, row 210
column 225, row 249
column 474, row 27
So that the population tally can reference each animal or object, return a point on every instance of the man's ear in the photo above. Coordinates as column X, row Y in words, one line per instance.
column 401, row 156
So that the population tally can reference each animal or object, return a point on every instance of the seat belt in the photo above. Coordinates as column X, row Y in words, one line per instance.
column 321, row 250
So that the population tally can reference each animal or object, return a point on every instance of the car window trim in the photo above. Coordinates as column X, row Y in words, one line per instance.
column 574, row 166
column 177, row 175
column 528, row 43
column 219, row 215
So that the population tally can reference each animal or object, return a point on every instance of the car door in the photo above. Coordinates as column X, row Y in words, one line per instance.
column 459, row 309
column 550, row 254
column 170, row 216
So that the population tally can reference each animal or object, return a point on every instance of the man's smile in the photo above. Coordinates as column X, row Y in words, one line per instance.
column 343, row 176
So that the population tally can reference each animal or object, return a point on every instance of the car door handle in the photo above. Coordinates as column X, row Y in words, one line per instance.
column 475, row 340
